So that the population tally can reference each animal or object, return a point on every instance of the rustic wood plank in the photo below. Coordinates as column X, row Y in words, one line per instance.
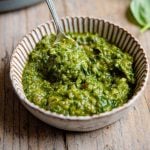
column 20, row 130
column 2, row 96
column 144, row 39
column 23, row 128
column 8, row 94
column 18, row 21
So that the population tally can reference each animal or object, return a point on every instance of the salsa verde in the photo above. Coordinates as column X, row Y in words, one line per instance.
column 81, row 78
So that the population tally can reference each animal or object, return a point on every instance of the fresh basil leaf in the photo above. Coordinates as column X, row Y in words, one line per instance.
column 141, row 11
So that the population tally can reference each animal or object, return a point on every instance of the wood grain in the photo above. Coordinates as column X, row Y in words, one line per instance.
column 19, row 130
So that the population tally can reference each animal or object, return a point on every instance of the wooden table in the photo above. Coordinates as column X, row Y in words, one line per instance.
column 20, row 130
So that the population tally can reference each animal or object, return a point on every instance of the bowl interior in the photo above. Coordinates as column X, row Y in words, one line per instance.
column 112, row 33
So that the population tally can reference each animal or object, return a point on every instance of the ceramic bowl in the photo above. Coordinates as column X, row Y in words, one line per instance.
column 109, row 31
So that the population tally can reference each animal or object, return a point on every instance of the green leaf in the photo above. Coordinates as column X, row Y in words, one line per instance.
column 141, row 11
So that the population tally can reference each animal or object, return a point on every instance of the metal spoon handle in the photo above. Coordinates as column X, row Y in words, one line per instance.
column 52, row 9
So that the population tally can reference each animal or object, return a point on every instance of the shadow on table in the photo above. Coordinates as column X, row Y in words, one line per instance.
column 130, row 17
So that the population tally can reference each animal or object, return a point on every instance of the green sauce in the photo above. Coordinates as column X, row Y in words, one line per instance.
column 78, row 79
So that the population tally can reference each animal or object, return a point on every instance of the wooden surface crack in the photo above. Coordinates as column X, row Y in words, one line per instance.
column 147, row 102
column 6, row 62
column 65, row 140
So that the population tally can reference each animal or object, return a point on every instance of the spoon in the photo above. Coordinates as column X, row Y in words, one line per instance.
column 60, row 32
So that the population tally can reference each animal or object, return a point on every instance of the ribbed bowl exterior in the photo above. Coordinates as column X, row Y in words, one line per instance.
column 109, row 31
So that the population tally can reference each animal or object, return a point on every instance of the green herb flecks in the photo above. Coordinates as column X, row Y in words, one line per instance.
column 81, row 79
